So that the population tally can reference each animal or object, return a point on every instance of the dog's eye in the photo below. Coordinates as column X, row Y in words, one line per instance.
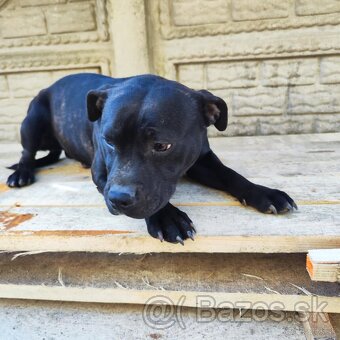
column 161, row 147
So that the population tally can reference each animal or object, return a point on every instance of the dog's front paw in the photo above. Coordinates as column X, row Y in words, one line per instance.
column 20, row 178
column 170, row 224
column 268, row 200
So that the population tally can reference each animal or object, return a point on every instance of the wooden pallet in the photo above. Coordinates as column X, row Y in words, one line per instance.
column 64, row 212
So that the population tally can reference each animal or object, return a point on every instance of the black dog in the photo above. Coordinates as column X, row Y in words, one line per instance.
column 139, row 135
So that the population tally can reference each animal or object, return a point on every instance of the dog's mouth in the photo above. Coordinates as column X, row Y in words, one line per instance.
column 137, row 213
column 133, row 213
column 114, row 211
column 145, row 206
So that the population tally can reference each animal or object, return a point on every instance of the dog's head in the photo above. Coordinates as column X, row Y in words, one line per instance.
column 151, row 131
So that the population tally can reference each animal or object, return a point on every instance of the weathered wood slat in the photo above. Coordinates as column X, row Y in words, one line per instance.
column 325, row 255
column 131, row 296
column 324, row 265
column 220, row 229
column 64, row 191
column 121, row 242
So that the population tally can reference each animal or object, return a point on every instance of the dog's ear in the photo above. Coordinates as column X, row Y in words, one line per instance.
column 215, row 110
column 95, row 101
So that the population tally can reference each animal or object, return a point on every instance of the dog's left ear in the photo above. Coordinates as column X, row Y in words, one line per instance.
column 215, row 110
column 95, row 101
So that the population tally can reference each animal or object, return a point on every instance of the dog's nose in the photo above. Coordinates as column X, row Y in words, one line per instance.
column 122, row 198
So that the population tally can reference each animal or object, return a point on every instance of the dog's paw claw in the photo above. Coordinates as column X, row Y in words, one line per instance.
column 272, row 210
column 179, row 240
column 160, row 236
column 191, row 235
column 289, row 207
column 193, row 228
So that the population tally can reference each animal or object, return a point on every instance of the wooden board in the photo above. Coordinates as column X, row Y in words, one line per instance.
column 325, row 255
column 64, row 212
column 324, row 265
column 132, row 296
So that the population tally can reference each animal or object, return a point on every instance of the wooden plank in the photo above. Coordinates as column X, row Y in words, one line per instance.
column 72, row 190
column 186, row 299
column 210, row 220
column 121, row 242
column 291, row 163
column 325, row 255
column 80, row 229
column 317, row 326
column 324, row 265
column 74, row 217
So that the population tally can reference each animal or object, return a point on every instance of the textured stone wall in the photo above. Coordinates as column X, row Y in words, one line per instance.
column 295, row 95
column 275, row 62
column 33, row 18
column 16, row 92
column 42, row 41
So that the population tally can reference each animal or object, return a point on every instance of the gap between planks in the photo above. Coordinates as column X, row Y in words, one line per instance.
column 179, row 204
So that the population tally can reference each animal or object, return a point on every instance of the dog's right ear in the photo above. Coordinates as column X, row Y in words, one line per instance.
column 95, row 101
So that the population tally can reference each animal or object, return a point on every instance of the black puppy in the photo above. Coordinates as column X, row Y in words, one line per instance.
column 139, row 135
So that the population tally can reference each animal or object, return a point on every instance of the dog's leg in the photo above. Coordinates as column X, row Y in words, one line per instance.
column 32, row 129
column 210, row 171
column 170, row 224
